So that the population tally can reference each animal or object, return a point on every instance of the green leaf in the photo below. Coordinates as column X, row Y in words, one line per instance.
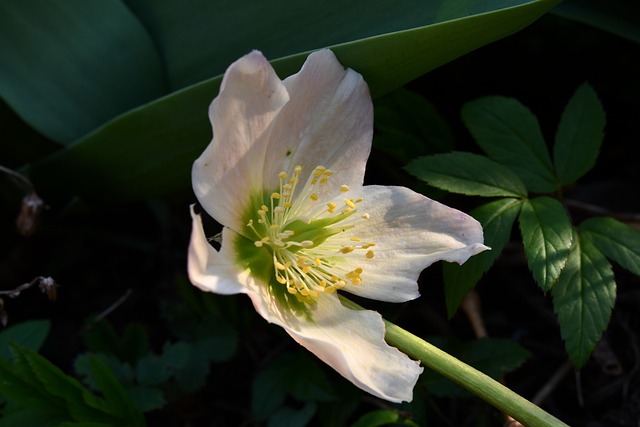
column 149, row 151
column 510, row 134
column 115, row 394
column 497, row 221
column 618, row 241
column 469, row 174
column 580, row 134
column 67, row 67
column 547, row 237
column 408, row 125
column 289, row 417
column 30, row 334
column 583, row 299
column 146, row 398
column 268, row 392
column 380, row 417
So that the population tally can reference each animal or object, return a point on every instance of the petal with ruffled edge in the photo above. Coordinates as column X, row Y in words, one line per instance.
column 328, row 121
column 350, row 341
column 251, row 95
column 410, row 233
column 211, row 270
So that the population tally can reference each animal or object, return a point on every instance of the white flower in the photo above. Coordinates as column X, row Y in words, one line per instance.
column 284, row 175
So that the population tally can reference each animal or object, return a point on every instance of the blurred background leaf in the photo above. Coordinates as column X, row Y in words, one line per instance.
column 148, row 150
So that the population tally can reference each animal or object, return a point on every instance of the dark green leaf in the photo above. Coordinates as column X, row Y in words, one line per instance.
column 149, row 151
column 407, row 125
column 381, row 417
column 30, row 334
column 268, row 392
column 547, row 237
column 497, row 221
column 510, row 134
column 289, row 417
column 579, row 135
column 115, row 394
column 469, row 174
column 146, row 398
column 134, row 343
column 67, row 67
column 583, row 299
column 618, row 241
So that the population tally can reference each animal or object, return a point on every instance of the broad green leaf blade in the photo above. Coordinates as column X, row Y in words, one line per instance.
column 30, row 334
column 547, row 237
column 378, row 418
column 497, row 221
column 618, row 241
column 469, row 174
column 67, row 67
column 149, row 151
column 579, row 135
column 583, row 299
column 510, row 134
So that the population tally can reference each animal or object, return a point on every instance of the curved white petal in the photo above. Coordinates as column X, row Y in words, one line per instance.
column 209, row 269
column 351, row 342
column 410, row 232
column 328, row 121
column 230, row 168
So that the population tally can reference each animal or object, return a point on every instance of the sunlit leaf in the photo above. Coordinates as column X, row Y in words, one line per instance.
column 579, row 135
column 510, row 134
column 547, row 237
column 583, row 299
column 497, row 221
column 618, row 241
column 469, row 174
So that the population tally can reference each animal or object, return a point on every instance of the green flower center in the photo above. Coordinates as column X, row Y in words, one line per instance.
column 302, row 235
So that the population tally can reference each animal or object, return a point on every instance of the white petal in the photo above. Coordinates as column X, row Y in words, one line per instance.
column 209, row 269
column 328, row 121
column 410, row 232
column 351, row 342
column 230, row 168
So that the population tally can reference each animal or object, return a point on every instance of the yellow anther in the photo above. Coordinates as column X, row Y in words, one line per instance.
column 347, row 249
column 306, row 269
column 306, row 243
column 297, row 169
column 281, row 280
column 294, row 180
column 317, row 262
column 275, row 195
column 354, row 239
column 282, row 175
column 344, row 188
column 318, row 171
column 292, row 290
column 250, row 223
column 265, row 239
column 359, row 199
column 258, row 243
column 275, row 226
column 327, row 172
column 286, row 204
column 264, row 208
column 304, row 291
column 279, row 266
column 365, row 216
column 332, row 207
column 313, row 197
column 330, row 289
column 350, row 203
column 370, row 254
column 356, row 281
column 358, row 270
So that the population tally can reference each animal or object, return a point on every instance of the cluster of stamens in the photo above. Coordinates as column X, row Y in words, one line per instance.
column 307, row 265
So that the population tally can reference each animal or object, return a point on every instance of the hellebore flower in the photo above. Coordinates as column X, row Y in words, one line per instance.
column 283, row 175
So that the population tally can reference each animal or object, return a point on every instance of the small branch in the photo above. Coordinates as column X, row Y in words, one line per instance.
column 597, row 210
column 46, row 284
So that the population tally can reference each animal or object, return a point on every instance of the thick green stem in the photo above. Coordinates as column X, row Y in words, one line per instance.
column 483, row 386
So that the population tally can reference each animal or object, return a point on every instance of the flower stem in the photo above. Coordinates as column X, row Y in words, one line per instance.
column 483, row 386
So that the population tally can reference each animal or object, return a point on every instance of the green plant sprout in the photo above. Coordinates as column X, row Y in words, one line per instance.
column 571, row 261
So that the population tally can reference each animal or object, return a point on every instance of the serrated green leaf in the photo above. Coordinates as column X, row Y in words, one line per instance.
column 149, row 150
column 579, row 136
column 67, row 67
column 547, row 237
column 115, row 394
column 583, row 299
column 497, row 221
column 618, row 241
column 146, row 398
column 30, row 334
column 467, row 173
column 510, row 134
